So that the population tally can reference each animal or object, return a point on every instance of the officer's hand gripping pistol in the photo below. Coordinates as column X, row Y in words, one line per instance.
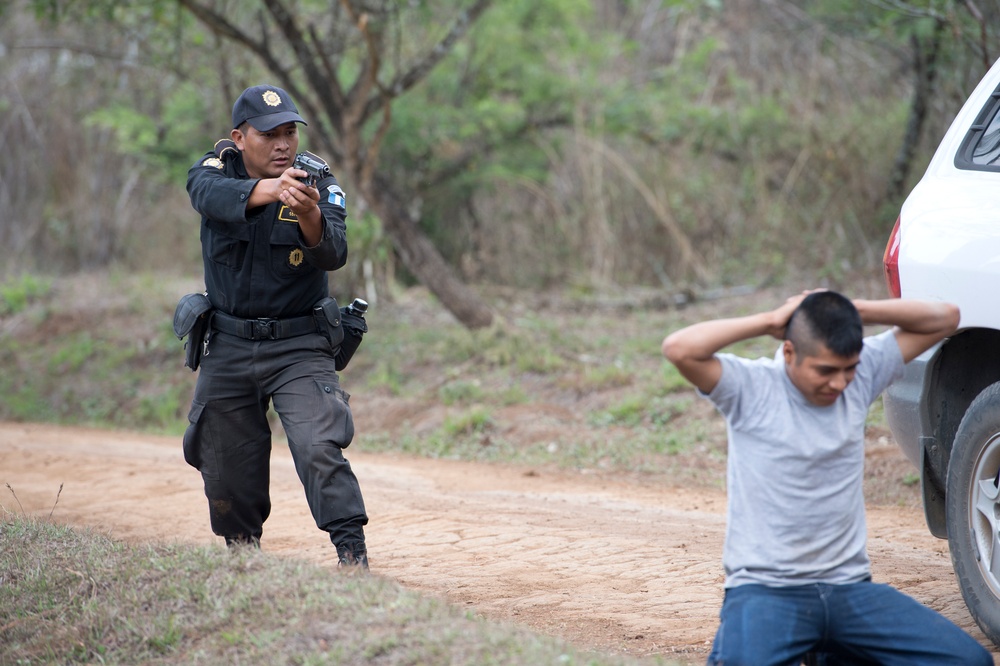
column 312, row 165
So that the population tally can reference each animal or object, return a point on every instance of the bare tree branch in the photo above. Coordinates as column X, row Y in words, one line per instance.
column 260, row 47
column 485, row 146
column 422, row 68
column 983, row 42
column 375, row 145
column 58, row 45
column 307, row 58
column 368, row 77
column 925, row 69
column 221, row 25
column 907, row 9
column 458, row 29
column 329, row 68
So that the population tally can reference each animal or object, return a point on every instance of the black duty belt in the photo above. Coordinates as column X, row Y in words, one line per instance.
column 263, row 328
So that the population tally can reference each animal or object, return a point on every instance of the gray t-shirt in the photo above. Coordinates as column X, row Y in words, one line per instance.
column 796, row 512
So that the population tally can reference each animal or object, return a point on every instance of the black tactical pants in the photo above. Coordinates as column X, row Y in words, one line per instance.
column 229, row 439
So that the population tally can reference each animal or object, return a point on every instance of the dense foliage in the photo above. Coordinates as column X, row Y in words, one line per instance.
column 572, row 142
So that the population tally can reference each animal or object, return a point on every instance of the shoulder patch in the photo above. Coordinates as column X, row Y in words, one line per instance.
column 336, row 196
column 225, row 147
column 212, row 162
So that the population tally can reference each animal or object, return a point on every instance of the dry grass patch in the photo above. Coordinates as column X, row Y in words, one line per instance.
column 70, row 596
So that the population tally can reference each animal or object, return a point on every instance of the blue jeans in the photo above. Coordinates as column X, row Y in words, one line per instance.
column 856, row 623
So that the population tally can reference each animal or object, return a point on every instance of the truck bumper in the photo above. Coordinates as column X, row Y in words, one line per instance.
column 902, row 401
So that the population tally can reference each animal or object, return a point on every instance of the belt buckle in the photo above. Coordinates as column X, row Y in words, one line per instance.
column 263, row 329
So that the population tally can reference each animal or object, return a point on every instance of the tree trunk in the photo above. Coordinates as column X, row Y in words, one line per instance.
column 925, row 70
column 422, row 259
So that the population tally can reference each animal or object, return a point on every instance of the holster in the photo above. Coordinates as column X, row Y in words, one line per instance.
column 343, row 329
column 355, row 328
column 192, row 319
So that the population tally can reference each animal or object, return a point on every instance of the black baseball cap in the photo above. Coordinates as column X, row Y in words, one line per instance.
column 265, row 107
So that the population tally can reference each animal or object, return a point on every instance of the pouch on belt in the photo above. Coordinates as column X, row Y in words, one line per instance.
column 192, row 318
column 327, row 314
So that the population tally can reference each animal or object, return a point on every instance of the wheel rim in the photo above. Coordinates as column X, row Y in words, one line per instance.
column 984, row 509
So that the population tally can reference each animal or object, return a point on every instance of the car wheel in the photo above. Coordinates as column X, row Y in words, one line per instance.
column 973, row 509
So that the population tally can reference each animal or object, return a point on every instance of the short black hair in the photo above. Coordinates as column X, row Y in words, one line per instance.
column 829, row 318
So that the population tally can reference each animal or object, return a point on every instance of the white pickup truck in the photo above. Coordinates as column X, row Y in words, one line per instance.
column 945, row 411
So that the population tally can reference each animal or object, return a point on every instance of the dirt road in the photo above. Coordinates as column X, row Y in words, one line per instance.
column 630, row 568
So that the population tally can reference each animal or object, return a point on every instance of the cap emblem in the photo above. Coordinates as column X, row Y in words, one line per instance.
column 271, row 98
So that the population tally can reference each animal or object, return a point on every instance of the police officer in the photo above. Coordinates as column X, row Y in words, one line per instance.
column 268, row 240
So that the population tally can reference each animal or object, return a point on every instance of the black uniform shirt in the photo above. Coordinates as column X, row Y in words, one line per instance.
column 256, row 261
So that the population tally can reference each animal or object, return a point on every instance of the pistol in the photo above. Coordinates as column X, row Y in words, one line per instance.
column 312, row 165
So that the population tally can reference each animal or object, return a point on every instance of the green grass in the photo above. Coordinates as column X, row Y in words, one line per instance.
column 477, row 420
column 569, row 386
column 117, row 364
column 629, row 412
column 78, row 597
column 16, row 294
column 620, row 406
column 461, row 391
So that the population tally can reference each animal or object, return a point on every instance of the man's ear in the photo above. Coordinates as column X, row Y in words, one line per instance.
column 788, row 351
column 237, row 136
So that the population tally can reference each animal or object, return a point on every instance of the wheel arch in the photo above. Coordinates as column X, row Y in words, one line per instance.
column 965, row 365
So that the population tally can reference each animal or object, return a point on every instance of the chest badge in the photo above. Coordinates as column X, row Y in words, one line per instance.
column 285, row 214
column 295, row 257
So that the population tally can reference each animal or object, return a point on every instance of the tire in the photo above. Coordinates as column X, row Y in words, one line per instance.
column 973, row 510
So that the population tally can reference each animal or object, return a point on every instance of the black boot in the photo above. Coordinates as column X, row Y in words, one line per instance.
column 352, row 554
column 241, row 541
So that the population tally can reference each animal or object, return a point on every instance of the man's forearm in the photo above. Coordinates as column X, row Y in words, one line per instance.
column 311, row 226
column 265, row 192
column 919, row 325
column 913, row 316
column 701, row 341
column 692, row 349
